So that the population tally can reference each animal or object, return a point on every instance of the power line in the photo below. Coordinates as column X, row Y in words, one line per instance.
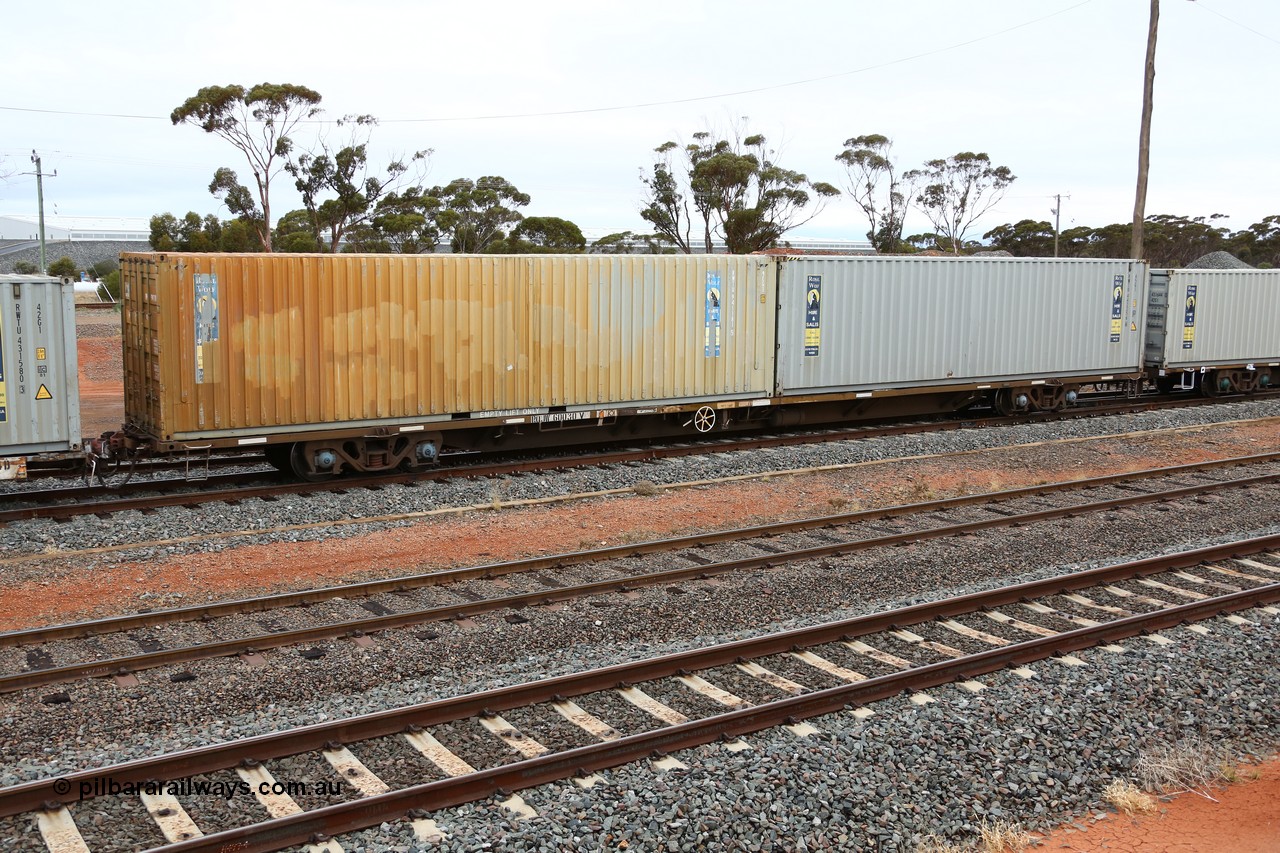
column 1237, row 23
column 645, row 104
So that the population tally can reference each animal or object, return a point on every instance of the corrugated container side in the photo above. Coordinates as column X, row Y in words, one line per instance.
column 39, row 378
column 1222, row 317
column 916, row 322
column 221, row 343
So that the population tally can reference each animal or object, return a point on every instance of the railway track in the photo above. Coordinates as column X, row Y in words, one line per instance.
column 152, row 494
column 574, row 726
column 51, row 655
column 68, row 467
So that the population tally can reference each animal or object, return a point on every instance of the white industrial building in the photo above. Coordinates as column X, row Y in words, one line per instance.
column 74, row 228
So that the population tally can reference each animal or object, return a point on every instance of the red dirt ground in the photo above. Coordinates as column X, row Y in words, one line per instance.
column 1245, row 819
column 101, row 388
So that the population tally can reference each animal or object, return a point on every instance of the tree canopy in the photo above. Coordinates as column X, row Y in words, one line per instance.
column 258, row 122
column 958, row 190
column 194, row 234
column 878, row 187
column 1170, row 241
column 341, row 173
column 736, row 190
column 474, row 214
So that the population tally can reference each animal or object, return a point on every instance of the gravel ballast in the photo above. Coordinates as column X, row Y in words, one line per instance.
column 1033, row 751
column 47, row 536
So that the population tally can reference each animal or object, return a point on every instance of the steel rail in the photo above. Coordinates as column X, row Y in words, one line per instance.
column 64, row 789
column 127, row 664
column 195, row 498
column 71, row 467
column 42, row 509
column 332, row 820
column 403, row 583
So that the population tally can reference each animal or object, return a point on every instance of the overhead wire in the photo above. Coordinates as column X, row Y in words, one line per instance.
column 644, row 104
column 1242, row 26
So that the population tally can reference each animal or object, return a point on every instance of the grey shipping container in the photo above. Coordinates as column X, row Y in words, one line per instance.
column 870, row 323
column 39, row 387
column 1214, row 318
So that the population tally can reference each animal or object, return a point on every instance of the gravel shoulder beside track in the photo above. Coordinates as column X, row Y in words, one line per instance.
column 1026, row 750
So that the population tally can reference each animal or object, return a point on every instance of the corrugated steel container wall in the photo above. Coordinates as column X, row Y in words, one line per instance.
column 911, row 322
column 39, row 379
column 314, row 340
column 1235, row 318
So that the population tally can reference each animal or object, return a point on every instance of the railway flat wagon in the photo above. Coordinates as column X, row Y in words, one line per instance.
column 1027, row 332
column 1222, row 326
column 39, row 379
column 365, row 362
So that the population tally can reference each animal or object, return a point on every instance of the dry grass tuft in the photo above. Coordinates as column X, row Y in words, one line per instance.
column 1000, row 836
column 935, row 844
column 993, row 837
column 1189, row 765
column 1128, row 798
column 646, row 488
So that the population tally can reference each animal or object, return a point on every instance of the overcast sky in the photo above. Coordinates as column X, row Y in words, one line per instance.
column 568, row 99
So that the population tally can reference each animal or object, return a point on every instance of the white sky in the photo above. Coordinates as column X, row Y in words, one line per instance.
column 1057, row 99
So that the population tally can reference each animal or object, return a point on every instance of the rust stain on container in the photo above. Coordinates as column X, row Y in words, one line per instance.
column 222, row 343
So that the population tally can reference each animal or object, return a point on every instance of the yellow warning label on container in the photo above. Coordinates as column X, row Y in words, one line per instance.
column 43, row 393
column 39, row 353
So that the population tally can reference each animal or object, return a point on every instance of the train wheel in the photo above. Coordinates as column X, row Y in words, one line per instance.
column 1216, row 383
column 1003, row 403
column 302, row 469
column 704, row 420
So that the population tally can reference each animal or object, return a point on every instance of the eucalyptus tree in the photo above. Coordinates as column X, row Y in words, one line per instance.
column 735, row 188
column 630, row 243
column 958, row 190
column 542, row 235
column 666, row 207
column 402, row 222
column 1026, row 238
column 877, row 186
column 258, row 122
column 473, row 214
column 338, row 189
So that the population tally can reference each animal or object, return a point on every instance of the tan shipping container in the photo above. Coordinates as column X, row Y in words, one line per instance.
column 219, row 346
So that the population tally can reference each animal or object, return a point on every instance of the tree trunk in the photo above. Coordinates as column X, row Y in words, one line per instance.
column 1144, row 135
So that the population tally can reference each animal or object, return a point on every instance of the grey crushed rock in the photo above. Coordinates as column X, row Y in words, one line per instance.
column 1218, row 261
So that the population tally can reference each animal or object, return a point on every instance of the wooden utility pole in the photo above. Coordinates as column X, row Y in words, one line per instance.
column 1057, row 221
column 1144, row 135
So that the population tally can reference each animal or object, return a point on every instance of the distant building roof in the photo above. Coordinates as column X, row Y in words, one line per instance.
column 22, row 226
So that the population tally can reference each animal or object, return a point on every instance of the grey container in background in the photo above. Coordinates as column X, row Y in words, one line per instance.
column 39, row 380
column 1214, row 318
column 907, row 322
